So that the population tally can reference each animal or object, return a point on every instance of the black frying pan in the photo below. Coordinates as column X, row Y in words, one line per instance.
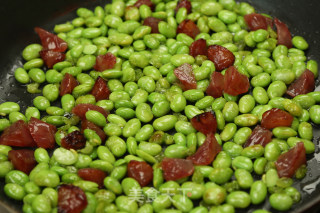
column 18, row 18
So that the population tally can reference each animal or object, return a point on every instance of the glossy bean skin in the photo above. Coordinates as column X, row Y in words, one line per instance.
column 131, row 128
column 228, row 132
column 21, row 76
column 314, row 114
column 260, row 95
column 280, row 202
column 220, row 175
column 272, row 151
column 258, row 192
column 244, row 178
column 144, row 112
column 160, row 108
column 214, row 195
column 8, row 107
column 232, row 149
column 276, row 89
column 241, row 162
column 223, row 160
column 14, row 191
column 239, row 199
column 305, row 130
column 230, row 111
column 242, row 135
column 254, row 151
column 246, row 103
column 165, row 123
column 246, row 120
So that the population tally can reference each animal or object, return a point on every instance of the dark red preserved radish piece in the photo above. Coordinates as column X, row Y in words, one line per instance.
column 85, row 124
column 104, row 62
column 42, row 133
column 17, row 135
column 207, row 152
column 74, row 140
column 81, row 109
column 100, row 89
column 186, row 77
column 259, row 135
column 303, row 85
column 205, row 123
column 141, row 172
column 188, row 27
column 216, row 86
column 143, row 2
column 50, row 57
column 198, row 47
column 220, row 56
column 71, row 199
column 276, row 117
column 176, row 168
column 284, row 35
column 68, row 83
column 184, row 3
column 288, row 162
column 51, row 41
column 93, row 175
column 22, row 159
column 235, row 83
column 257, row 21
column 153, row 23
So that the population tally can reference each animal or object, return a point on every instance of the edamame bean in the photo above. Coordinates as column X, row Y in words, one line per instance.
column 131, row 128
column 46, row 178
column 300, row 43
column 161, row 108
column 116, row 145
column 259, row 165
column 41, row 102
column 276, row 89
column 96, row 118
column 241, row 162
column 272, row 151
column 14, row 191
column 242, row 135
column 260, row 95
column 232, row 149
column 165, row 123
column 144, row 112
column 21, row 76
column 314, row 114
column 305, row 130
column 253, row 151
column 176, row 151
column 178, row 103
column 64, row 156
column 220, row 175
column 8, row 107
column 223, row 160
column 258, row 192
column 230, row 111
column 246, row 103
column 239, row 199
column 280, row 201
column 246, row 120
column 244, row 178
column 228, row 132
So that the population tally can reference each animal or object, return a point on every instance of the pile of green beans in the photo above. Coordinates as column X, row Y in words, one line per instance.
column 150, row 114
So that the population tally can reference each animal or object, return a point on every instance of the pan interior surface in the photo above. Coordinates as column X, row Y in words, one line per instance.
column 20, row 18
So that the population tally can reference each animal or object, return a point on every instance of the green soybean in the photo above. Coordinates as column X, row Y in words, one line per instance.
column 239, row 199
